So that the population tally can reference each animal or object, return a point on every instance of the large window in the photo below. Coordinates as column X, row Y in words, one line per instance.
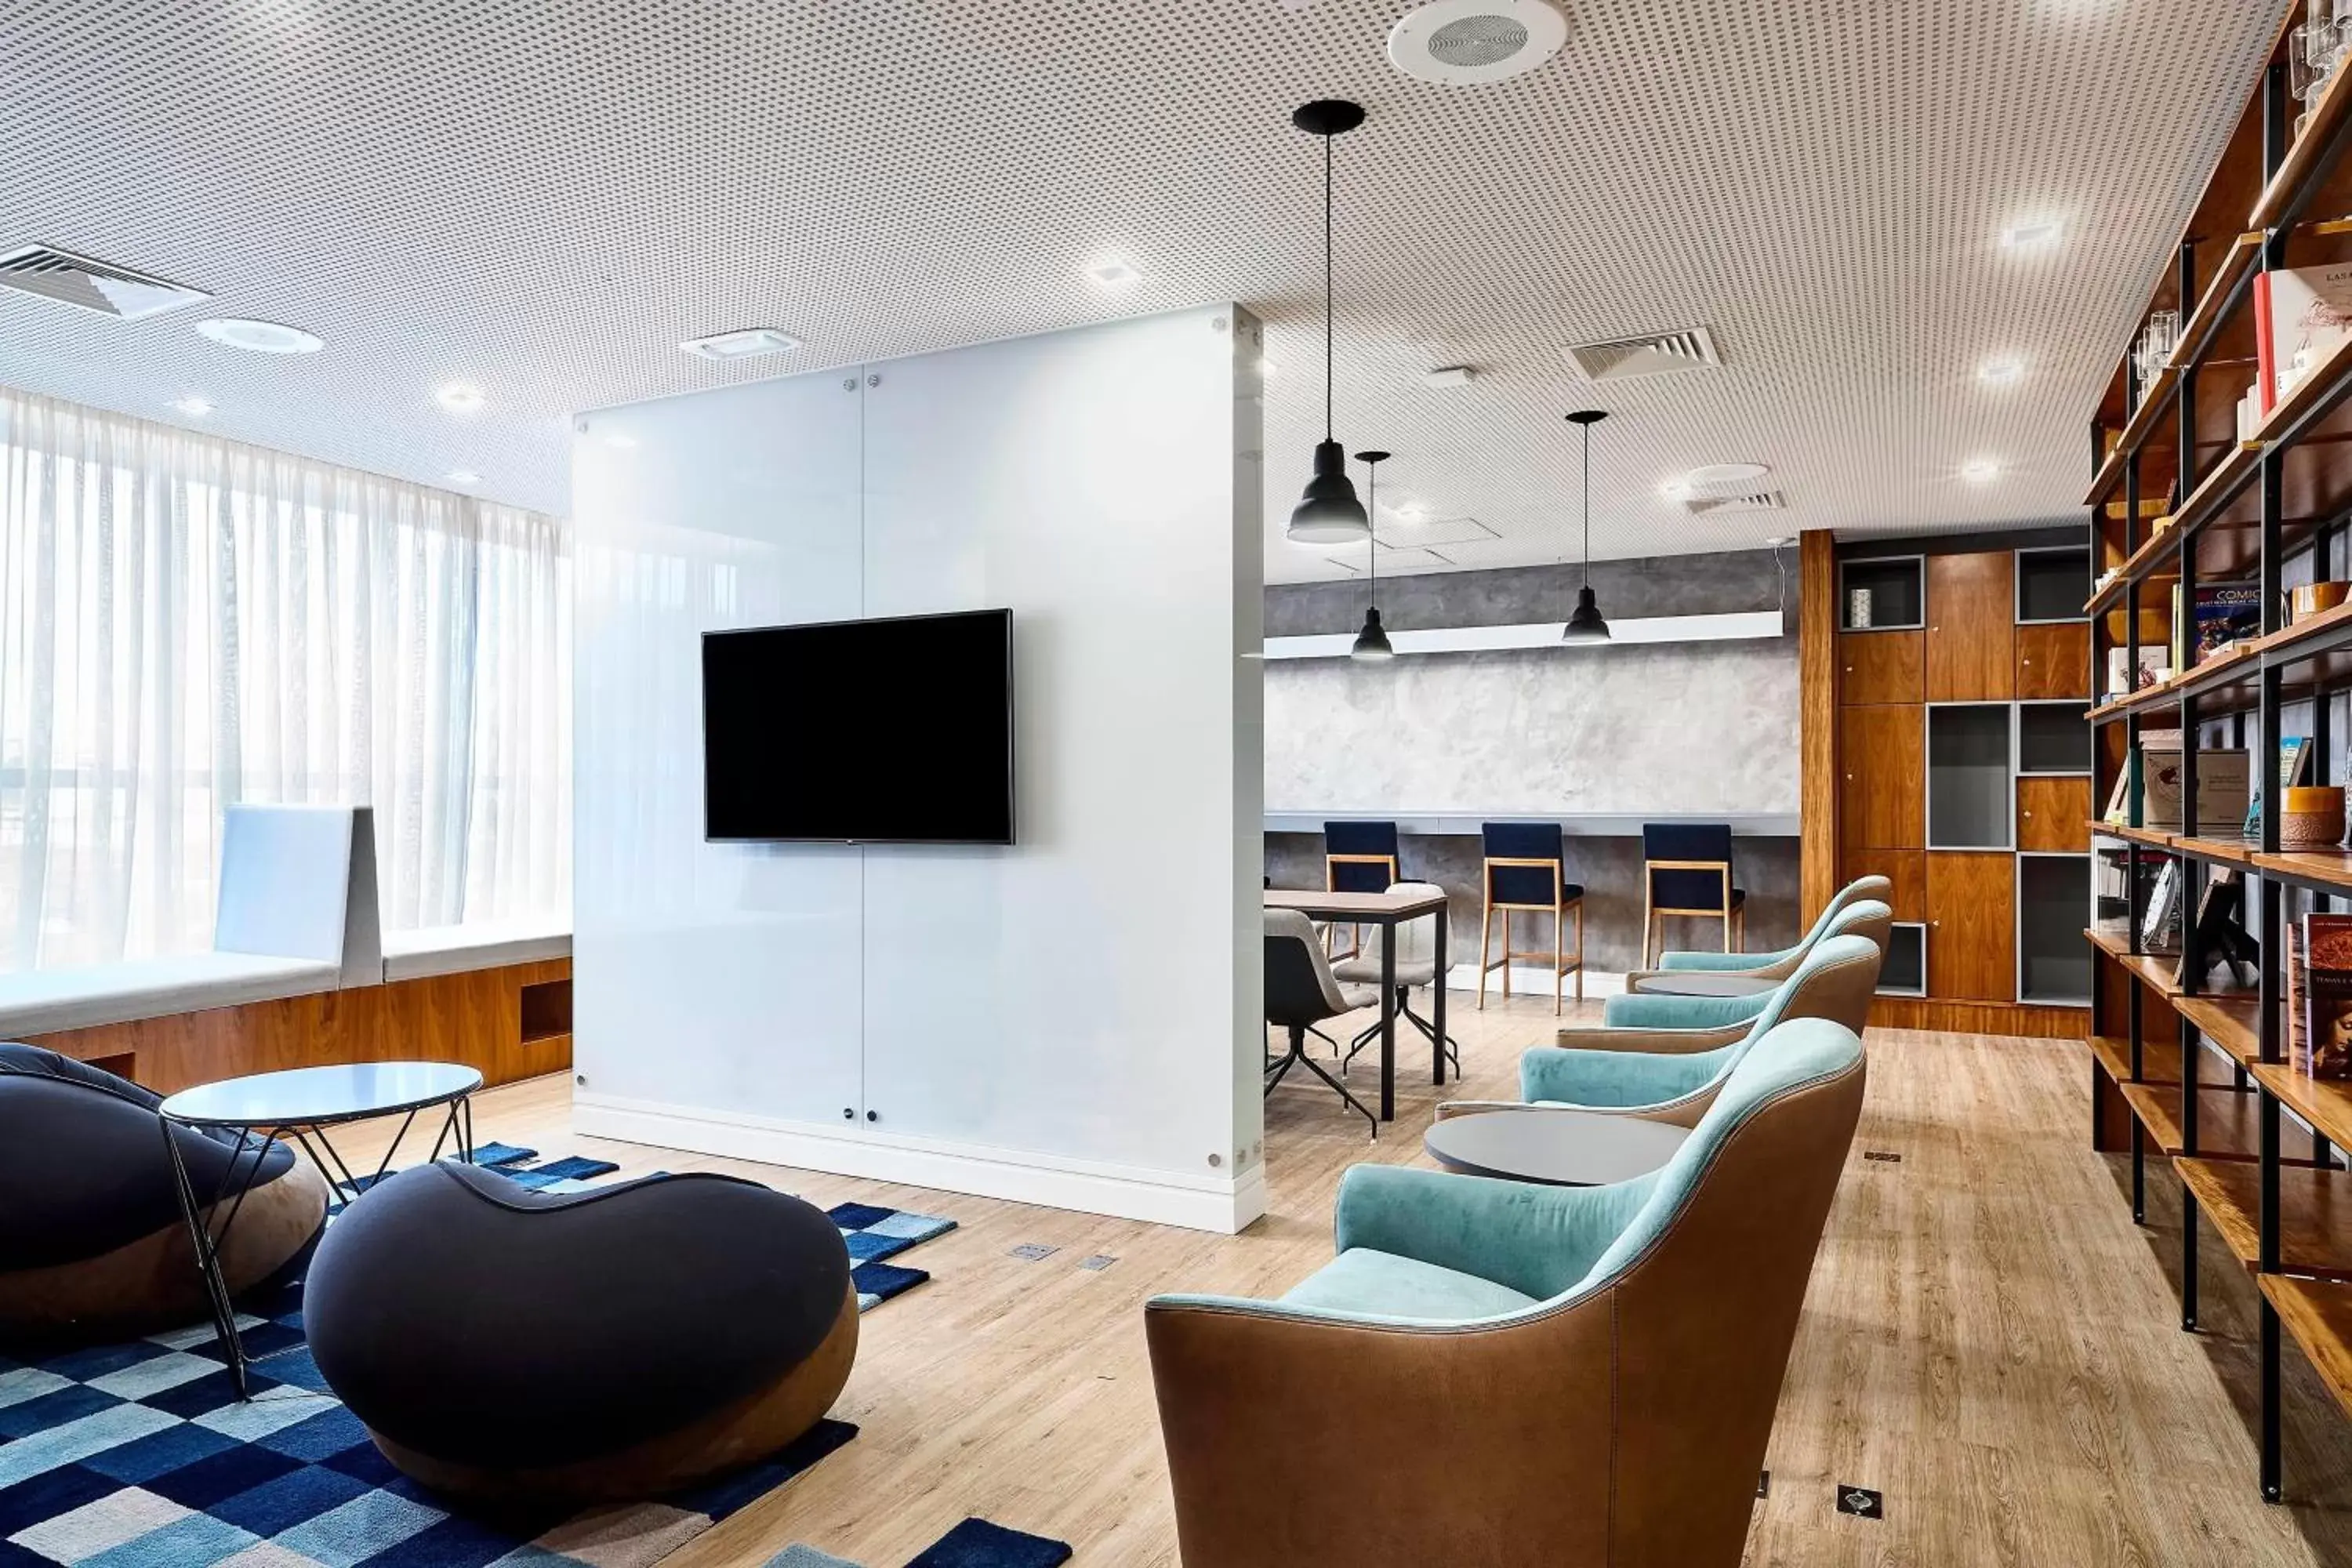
column 187, row 623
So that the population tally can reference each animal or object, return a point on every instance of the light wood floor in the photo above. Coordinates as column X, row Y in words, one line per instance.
column 1989, row 1340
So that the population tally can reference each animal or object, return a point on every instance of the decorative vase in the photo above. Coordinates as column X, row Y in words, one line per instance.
column 1857, row 609
column 2313, row 817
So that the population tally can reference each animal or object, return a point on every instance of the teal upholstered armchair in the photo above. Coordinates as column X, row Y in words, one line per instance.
column 1770, row 965
column 1866, row 918
column 1519, row 1376
column 1834, row 981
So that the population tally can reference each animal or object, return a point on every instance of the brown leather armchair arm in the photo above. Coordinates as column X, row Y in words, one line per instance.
column 1298, row 1440
column 1666, row 1042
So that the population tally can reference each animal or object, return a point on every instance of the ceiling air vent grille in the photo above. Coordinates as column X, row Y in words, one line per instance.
column 1659, row 353
column 91, row 285
column 1746, row 500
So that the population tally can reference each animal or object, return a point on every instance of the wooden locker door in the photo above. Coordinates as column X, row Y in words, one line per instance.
column 1905, row 868
column 2053, row 813
column 1972, row 925
column 1879, row 667
column 1882, row 778
column 2053, row 661
column 1972, row 628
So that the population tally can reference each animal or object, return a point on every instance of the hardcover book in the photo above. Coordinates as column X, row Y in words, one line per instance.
column 2222, row 789
column 2327, row 995
column 2309, row 314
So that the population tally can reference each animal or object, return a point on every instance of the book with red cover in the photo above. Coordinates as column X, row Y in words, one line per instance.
column 2265, row 344
column 2327, row 995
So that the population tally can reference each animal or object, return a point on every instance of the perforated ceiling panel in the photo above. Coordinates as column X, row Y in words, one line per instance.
column 545, row 199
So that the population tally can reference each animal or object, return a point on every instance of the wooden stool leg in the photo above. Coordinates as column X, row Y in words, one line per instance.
column 1579, row 950
column 1486, row 945
column 1558, row 955
column 1506, row 956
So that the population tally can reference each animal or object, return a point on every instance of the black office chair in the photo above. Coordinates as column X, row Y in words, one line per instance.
column 1358, row 858
column 1301, row 993
column 1687, row 871
column 1416, row 964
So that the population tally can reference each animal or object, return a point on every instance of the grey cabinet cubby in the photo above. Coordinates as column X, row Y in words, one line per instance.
column 1971, row 799
column 1904, row 970
column 2052, row 584
column 2053, row 961
column 2052, row 738
column 1896, row 589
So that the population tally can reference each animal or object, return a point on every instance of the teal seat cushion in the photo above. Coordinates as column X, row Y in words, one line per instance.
column 1382, row 1284
column 1643, row 1011
column 1733, row 961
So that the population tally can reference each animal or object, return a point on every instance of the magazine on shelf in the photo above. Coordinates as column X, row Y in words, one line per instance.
column 2308, row 311
column 2223, row 613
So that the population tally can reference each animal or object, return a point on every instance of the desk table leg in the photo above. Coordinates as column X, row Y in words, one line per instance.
column 1387, row 1020
column 1437, row 1002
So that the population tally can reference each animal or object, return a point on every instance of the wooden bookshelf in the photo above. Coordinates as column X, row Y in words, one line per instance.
column 2314, row 1214
column 2317, row 1314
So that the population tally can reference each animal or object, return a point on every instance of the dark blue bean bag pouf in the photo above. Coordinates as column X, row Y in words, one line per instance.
column 93, row 1243
column 622, row 1343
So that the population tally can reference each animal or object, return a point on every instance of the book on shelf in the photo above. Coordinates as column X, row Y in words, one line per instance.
column 2326, row 996
column 2153, row 669
column 2220, row 615
column 2292, row 982
column 2302, row 315
column 2118, row 812
column 2159, row 922
column 2223, row 788
column 2294, row 762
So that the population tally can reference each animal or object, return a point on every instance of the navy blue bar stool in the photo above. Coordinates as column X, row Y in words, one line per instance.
column 1358, row 858
column 1527, row 873
column 1687, row 871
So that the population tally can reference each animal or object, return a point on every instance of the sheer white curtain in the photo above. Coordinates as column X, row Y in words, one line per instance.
column 186, row 623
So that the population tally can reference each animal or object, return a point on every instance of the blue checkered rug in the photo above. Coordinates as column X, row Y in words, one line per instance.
column 140, row 1455
column 872, row 1233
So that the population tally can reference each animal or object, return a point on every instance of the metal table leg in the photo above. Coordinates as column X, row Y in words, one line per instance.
column 1388, row 1019
column 1437, row 1002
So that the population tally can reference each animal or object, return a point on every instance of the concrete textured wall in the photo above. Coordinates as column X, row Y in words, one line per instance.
column 1679, row 729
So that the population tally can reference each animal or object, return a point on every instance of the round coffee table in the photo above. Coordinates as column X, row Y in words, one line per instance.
column 1703, row 983
column 298, row 1106
column 1557, row 1147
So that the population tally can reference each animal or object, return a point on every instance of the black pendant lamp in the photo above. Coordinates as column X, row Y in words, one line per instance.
column 1585, row 626
column 1328, row 513
column 1372, row 643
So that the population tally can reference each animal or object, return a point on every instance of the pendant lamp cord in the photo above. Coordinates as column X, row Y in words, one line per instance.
column 1372, row 533
column 1587, row 568
column 1326, row 288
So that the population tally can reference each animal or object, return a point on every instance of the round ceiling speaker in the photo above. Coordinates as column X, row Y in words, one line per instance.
column 258, row 337
column 1464, row 42
column 1727, row 473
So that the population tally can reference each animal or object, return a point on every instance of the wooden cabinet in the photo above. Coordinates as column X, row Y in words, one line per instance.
column 1880, row 666
column 1905, row 868
column 1972, row 925
column 2053, row 661
column 2054, row 813
column 1882, row 778
column 1972, row 628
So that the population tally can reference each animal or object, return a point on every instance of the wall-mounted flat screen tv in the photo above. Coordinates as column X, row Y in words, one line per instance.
column 894, row 730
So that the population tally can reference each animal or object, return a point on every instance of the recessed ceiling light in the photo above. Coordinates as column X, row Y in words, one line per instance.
column 1726, row 473
column 1977, row 470
column 459, row 397
column 2001, row 372
column 1113, row 274
column 2024, row 236
column 258, row 337
column 747, row 343
column 194, row 407
column 464, row 477
column 1450, row 376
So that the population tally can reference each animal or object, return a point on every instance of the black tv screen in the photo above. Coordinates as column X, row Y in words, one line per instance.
column 861, row 731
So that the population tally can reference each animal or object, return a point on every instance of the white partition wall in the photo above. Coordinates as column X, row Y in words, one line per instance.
column 1071, row 1020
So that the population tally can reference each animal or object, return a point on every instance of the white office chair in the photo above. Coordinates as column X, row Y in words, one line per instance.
column 1416, row 965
